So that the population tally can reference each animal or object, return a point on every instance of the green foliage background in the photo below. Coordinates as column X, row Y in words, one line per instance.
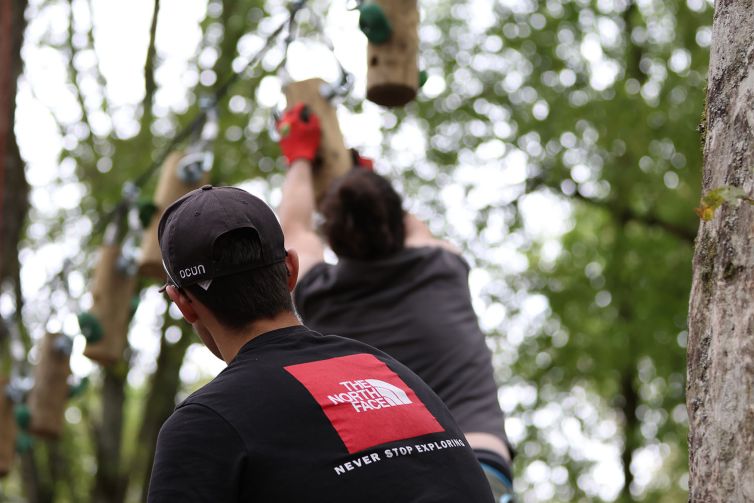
column 599, row 101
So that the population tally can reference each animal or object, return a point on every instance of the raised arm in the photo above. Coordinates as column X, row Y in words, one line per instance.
column 418, row 235
column 300, row 136
column 296, row 213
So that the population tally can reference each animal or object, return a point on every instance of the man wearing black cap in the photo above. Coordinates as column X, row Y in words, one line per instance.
column 295, row 416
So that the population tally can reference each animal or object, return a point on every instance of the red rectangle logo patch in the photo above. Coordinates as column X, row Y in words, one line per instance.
column 366, row 402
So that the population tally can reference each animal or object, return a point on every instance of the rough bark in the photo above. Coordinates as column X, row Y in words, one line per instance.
column 720, row 390
column 13, row 185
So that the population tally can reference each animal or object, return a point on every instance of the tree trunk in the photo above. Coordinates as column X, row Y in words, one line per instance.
column 110, row 482
column 160, row 403
column 720, row 390
column 630, row 429
column 13, row 185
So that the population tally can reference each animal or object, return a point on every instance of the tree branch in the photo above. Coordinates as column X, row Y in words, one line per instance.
column 98, row 73
column 73, row 74
column 649, row 220
column 150, row 86
column 624, row 214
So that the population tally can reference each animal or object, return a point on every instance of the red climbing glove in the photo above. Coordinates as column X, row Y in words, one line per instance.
column 299, row 133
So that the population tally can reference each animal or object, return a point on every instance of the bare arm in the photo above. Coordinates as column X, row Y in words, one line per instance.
column 418, row 234
column 296, row 213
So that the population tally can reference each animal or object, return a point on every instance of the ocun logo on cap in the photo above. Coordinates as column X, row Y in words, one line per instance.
column 192, row 271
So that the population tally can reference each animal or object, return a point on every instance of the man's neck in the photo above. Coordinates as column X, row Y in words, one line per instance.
column 230, row 343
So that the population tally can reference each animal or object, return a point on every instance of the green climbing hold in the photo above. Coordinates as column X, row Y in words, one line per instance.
column 24, row 442
column 146, row 209
column 23, row 415
column 78, row 389
column 90, row 327
column 135, row 300
column 423, row 76
column 373, row 22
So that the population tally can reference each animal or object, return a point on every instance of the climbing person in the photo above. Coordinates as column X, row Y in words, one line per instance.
column 295, row 415
column 395, row 287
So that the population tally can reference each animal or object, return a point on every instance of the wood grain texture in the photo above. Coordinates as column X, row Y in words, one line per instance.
column 48, row 397
column 111, row 292
column 392, row 73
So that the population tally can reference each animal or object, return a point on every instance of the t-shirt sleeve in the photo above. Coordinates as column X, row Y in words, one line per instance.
column 457, row 260
column 310, row 283
column 199, row 458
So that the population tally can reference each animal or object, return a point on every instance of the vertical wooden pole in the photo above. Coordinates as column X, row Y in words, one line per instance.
column 49, row 395
column 392, row 73
column 7, row 431
column 335, row 159
column 112, row 292
column 170, row 187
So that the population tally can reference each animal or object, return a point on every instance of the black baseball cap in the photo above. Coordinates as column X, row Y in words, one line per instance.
column 190, row 226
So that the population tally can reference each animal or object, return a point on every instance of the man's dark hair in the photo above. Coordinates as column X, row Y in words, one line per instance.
column 363, row 216
column 239, row 299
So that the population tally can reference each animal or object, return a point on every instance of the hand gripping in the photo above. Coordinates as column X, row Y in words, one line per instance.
column 300, row 133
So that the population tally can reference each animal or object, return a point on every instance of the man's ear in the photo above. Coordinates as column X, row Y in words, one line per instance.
column 291, row 263
column 183, row 302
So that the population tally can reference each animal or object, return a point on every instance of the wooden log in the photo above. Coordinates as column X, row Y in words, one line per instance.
column 8, row 431
column 334, row 159
column 49, row 395
column 112, row 292
column 392, row 73
column 170, row 188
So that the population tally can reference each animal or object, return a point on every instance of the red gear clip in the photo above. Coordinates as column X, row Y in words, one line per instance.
column 361, row 162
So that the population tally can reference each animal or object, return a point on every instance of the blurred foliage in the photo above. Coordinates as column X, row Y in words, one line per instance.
column 587, row 109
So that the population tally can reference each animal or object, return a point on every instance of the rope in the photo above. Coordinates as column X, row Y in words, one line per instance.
column 198, row 121
column 116, row 224
column 340, row 88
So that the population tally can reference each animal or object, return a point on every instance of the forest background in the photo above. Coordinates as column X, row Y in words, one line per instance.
column 555, row 141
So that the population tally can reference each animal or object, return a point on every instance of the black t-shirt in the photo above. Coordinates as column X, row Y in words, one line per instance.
column 416, row 307
column 298, row 416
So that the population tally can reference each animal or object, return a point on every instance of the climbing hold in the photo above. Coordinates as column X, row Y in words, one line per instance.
column 146, row 209
column 423, row 76
column 78, row 389
column 193, row 165
column 374, row 23
column 24, row 442
column 135, row 300
column 90, row 327
column 23, row 415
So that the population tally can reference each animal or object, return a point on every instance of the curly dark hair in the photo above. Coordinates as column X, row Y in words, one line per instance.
column 363, row 216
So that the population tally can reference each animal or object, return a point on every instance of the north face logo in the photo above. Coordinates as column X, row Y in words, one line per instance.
column 370, row 394
column 366, row 402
